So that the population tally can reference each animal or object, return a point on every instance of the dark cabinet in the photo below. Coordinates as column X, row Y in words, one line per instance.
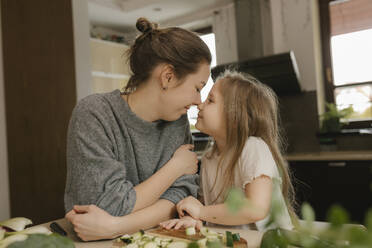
column 324, row 183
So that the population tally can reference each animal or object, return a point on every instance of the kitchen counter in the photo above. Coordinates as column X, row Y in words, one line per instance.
column 253, row 237
column 331, row 155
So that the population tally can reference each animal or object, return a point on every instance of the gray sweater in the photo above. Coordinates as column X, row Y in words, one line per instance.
column 110, row 150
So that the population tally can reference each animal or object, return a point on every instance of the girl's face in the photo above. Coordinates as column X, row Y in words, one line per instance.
column 211, row 113
column 180, row 97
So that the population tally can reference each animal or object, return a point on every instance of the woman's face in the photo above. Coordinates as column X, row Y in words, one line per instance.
column 211, row 113
column 183, row 95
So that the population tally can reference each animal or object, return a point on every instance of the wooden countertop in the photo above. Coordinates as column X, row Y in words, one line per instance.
column 331, row 155
column 253, row 237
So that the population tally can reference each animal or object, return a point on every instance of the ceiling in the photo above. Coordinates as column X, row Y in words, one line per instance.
column 121, row 15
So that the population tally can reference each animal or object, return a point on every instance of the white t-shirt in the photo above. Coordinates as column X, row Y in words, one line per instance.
column 256, row 160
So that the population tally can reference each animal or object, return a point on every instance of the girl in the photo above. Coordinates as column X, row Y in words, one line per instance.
column 127, row 165
column 241, row 116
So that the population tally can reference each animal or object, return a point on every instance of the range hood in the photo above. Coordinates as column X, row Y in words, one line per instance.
column 278, row 71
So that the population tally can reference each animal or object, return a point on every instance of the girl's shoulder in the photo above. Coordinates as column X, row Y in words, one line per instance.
column 255, row 144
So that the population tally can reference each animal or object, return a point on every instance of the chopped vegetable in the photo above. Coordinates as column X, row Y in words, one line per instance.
column 137, row 235
column 16, row 224
column 193, row 245
column 177, row 244
column 126, row 239
column 202, row 243
column 151, row 244
column 132, row 245
column 11, row 239
column 229, row 239
column 190, row 231
column 236, row 236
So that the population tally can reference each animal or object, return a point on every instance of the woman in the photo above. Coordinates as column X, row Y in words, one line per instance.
column 129, row 153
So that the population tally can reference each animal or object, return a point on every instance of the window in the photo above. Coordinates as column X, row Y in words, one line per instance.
column 346, row 29
column 192, row 113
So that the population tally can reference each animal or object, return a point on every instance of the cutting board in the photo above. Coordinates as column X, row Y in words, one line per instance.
column 181, row 234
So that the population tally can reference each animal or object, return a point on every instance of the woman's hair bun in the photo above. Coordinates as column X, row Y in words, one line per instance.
column 144, row 26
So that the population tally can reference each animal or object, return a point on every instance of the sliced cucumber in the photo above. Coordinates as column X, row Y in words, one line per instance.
column 204, row 231
column 190, row 231
column 151, row 244
column 212, row 237
column 126, row 239
column 137, row 235
column 229, row 239
column 132, row 245
column 236, row 237
column 193, row 245
column 202, row 243
column 211, row 232
column 177, row 244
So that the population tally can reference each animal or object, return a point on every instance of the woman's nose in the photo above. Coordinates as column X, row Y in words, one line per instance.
column 198, row 100
column 200, row 106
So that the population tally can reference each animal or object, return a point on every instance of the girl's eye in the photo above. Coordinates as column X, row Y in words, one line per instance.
column 209, row 100
column 197, row 90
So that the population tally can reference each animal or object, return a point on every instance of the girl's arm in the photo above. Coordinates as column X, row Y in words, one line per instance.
column 259, row 194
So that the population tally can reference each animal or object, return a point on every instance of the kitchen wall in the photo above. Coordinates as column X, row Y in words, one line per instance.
column 4, row 181
column 82, row 49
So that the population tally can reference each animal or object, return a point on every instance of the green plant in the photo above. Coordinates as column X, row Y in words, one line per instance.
column 336, row 235
column 331, row 118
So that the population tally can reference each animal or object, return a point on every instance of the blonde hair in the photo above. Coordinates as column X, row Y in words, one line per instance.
column 250, row 109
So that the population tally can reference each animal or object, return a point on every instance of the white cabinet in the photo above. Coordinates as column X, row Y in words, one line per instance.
column 110, row 69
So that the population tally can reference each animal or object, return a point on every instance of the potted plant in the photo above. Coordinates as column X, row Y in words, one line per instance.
column 331, row 118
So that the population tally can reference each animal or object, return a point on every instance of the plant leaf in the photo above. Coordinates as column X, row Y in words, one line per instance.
column 337, row 216
column 42, row 240
column 235, row 200
column 307, row 212
column 11, row 239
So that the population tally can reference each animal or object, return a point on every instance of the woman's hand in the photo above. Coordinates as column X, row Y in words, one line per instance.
column 191, row 206
column 184, row 222
column 92, row 223
column 185, row 159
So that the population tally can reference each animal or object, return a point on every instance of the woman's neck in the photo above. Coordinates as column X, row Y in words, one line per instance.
column 143, row 103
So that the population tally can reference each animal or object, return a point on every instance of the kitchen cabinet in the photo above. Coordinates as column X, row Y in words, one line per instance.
column 110, row 69
column 323, row 183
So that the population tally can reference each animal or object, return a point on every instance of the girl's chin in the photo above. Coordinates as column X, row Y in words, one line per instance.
column 199, row 126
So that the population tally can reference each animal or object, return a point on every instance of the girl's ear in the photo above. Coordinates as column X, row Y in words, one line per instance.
column 167, row 76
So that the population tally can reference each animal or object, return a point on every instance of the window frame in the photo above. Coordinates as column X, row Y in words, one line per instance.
column 327, row 71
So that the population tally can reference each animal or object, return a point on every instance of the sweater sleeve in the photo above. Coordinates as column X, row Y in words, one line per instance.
column 94, row 175
column 185, row 185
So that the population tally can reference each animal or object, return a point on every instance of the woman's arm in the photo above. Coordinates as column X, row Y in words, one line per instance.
column 148, row 192
column 259, row 194
column 93, row 223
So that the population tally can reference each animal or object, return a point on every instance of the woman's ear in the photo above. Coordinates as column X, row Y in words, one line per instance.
column 167, row 76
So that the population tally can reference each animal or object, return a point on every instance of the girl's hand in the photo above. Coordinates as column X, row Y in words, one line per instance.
column 185, row 222
column 191, row 206
column 92, row 223
column 185, row 159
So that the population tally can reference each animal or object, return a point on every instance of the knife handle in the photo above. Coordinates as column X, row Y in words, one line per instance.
column 58, row 229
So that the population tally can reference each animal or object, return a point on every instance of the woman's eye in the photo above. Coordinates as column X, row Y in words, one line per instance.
column 197, row 90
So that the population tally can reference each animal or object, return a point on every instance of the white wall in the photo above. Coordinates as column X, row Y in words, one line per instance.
column 224, row 29
column 82, row 48
column 295, row 28
column 4, row 181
